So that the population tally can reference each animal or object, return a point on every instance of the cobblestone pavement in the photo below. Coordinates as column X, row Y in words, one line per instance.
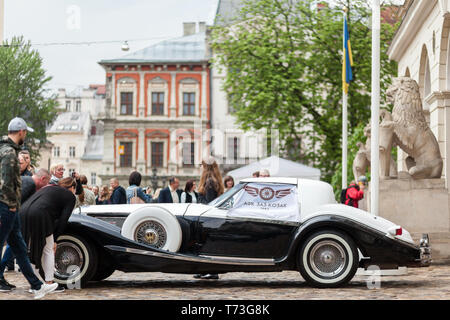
column 422, row 283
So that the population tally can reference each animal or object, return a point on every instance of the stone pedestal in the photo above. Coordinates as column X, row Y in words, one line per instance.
column 419, row 206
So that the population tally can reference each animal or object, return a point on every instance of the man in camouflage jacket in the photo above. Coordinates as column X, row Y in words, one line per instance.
column 10, row 190
column 10, row 183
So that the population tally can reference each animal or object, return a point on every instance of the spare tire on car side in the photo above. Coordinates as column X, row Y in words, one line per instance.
column 154, row 226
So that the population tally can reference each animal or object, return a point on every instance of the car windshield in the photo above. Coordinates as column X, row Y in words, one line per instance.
column 227, row 194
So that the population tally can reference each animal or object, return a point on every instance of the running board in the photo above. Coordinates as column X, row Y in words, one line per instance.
column 202, row 259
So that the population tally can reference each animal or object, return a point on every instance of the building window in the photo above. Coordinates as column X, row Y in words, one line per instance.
column 126, row 103
column 157, row 154
column 71, row 171
column 157, row 103
column 72, row 152
column 126, row 154
column 189, row 103
column 78, row 106
column 188, row 154
column 93, row 178
column 233, row 148
column 68, row 105
column 56, row 151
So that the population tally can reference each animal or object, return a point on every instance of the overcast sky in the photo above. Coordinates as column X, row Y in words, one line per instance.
column 62, row 21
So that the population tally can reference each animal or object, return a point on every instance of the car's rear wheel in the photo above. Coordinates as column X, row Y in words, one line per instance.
column 153, row 226
column 75, row 261
column 328, row 258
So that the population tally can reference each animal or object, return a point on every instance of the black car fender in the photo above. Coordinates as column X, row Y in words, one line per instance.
column 314, row 224
column 373, row 244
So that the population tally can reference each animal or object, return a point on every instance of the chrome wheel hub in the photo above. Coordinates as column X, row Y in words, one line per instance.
column 151, row 236
column 68, row 258
column 327, row 258
column 152, row 233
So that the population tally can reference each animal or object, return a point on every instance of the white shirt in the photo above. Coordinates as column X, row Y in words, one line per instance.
column 183, row 197
column 174, row 194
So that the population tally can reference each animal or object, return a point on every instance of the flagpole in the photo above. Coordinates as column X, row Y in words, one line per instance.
column 375, row 109
column 344, row 117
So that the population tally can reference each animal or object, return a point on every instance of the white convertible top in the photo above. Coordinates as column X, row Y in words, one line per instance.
column 272, row 180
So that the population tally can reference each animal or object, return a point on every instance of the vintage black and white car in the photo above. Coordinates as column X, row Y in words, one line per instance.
column 260, row 225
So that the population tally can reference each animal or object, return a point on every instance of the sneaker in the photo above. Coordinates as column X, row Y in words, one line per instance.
column 45, row 288
column 59, row 289
column 3, row 281
column 4, row 286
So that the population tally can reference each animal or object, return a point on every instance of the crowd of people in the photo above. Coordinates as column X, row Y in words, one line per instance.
column 210, row 186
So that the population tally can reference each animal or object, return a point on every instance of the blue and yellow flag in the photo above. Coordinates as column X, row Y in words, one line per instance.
column 347, row 64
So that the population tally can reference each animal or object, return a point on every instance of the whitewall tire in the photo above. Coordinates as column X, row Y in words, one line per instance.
column 328, row 258
column 75, row 261
column 153, row 226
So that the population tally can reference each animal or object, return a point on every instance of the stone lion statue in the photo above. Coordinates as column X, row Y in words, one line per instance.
column 362, row 159
column 407, row 128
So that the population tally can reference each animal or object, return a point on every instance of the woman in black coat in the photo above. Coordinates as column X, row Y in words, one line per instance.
column 43, row 218
column 211, row 185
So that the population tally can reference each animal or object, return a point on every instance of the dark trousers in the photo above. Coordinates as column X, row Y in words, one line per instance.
column 10, row 232
column 7, row 260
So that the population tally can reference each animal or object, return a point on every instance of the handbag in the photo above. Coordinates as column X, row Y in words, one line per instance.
column 135, row 198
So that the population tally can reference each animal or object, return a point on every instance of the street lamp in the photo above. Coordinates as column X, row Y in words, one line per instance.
column 125, row 46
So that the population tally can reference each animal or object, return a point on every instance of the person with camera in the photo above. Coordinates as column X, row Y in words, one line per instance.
column 135, row 194
column 57, row 172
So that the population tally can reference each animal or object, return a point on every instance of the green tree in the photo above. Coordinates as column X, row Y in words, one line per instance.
column 23, row 93
column 283, row 63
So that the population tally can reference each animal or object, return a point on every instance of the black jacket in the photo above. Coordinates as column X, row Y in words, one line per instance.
column 46, row 212
column 165, row 196
column 210, row 192
column 119, row 196
column 28, row 188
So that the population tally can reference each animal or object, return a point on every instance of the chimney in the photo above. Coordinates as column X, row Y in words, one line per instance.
column 188, row 28
column 202, row 26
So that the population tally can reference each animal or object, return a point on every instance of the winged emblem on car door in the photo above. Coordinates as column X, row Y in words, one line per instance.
column 282, row 193
column 267, row 193
column 252, row 190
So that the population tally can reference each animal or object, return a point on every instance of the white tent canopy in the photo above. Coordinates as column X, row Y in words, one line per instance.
column 278, row 167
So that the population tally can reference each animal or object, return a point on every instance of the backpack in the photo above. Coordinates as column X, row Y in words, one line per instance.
column 344, row 195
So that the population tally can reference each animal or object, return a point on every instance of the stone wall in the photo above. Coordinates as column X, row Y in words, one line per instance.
column 419, row 206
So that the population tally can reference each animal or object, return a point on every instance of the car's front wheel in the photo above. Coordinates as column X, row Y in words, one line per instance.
column 328, row 258
column 75, row 261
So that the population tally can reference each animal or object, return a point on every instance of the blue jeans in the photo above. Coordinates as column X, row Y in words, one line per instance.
column 7, row 260
column 10, row 232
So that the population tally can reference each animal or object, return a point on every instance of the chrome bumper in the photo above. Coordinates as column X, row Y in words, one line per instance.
column 425, row 251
